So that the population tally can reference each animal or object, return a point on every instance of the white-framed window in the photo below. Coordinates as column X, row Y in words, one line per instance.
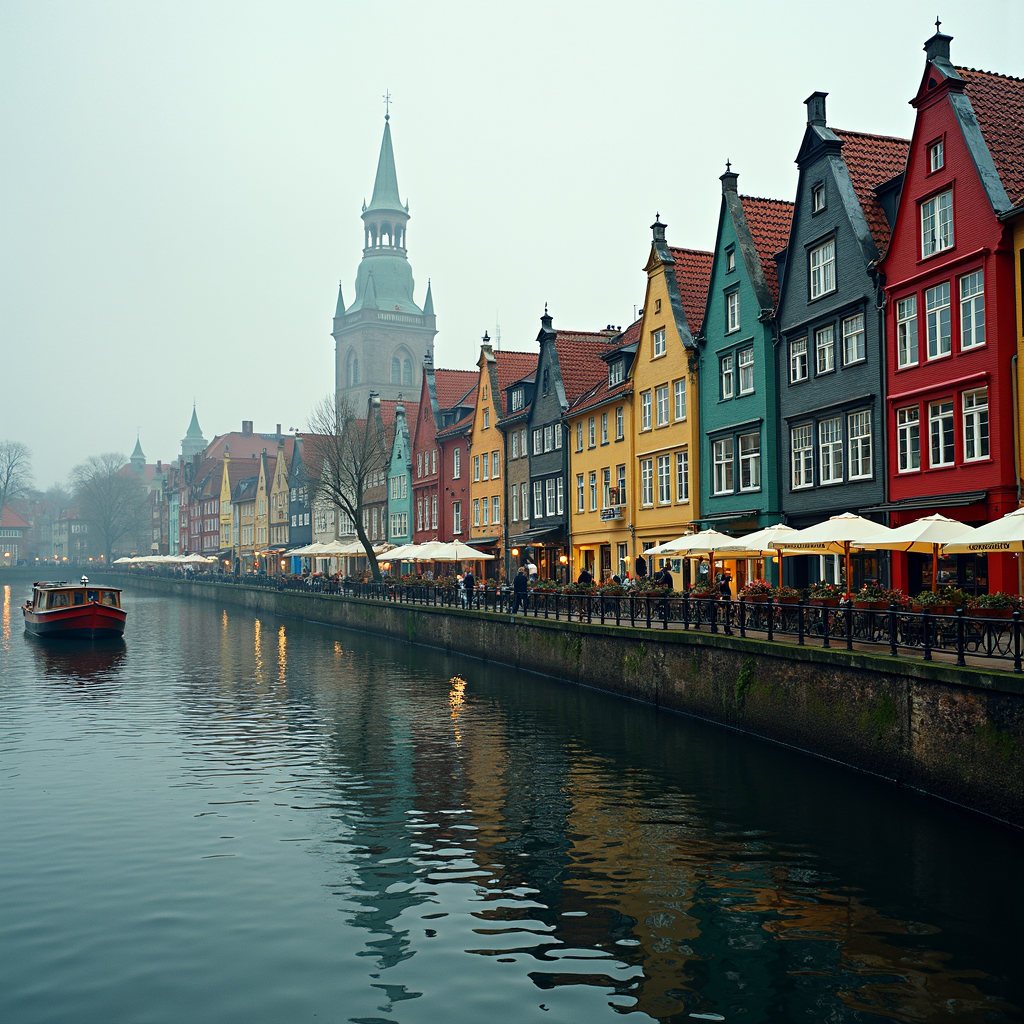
column 592, row 432
column 830, row 450
column 522, row 442
column 579, row 436
column 725, row 376
column 433, row 460
column 538, row 441
column 937, row 224
column 645, row 410
column 823, row 269
column 433, row 511
column 683, row 475
column 604, row 428
column 936, row 156
column 937, row 320
column 606, row 487
column 457, row 464
column 975, row 424
column 524, row 505
column 661, row 405
column 495, row 465
column 940, row 430
column 825, row 349
column 618, row 423
column 549, row 495
column 679, row 399
column 559, row 494
column 485, row 460
column 593, row 490
column 485, row 519
column 487, row 418
column 476, row 469
column 558, row 436
column 496, row 510
column 456, row 517
column 730, row 260
column 476, row 511
column 419, row 467
column 538, row 499
column 646, row 481
column 906, row 331
column 750, row 462
column 419, row 515
column 616, row 373
column 817, row 198
column 579, row 492
column 908, row 438
column 798, row 369
column 723, row 451
column 664, row 479
column 972, row 310
column 658, row 345
column 858, row 431
column 518, row 399
column 549, row 438
column 745, row 364
column 854, row 343
column 515, row 444
column 620, row 484
column 732, row 311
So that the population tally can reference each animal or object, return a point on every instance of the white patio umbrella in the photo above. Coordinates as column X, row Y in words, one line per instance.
column 402, row 553
column 456, row 551
column 1005, row 535
column 315, row 548
column 924, row 536
column 834, row 537
column 707, row 542
column 425, row 552
column 759, row 544
column 124, row 560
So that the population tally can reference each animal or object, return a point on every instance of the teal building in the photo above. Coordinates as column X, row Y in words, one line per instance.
column 400, row 483
column 740, row 480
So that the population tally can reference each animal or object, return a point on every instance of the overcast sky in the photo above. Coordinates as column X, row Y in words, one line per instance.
column 180, row 183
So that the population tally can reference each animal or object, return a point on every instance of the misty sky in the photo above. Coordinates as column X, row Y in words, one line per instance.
column 180, row 183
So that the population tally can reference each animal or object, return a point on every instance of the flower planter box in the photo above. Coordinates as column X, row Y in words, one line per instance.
column 934, row 609
column 990, row 613
column 755, row 598
column 825, row 602
column 871, row 605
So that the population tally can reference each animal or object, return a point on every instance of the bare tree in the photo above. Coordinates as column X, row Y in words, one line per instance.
column 15, row 471
column 342, row 451
column 109, row 498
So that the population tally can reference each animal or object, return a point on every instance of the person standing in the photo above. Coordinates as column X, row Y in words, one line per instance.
column 586, row 578
column 520, row 592
column 469, row 585
column 531, row 570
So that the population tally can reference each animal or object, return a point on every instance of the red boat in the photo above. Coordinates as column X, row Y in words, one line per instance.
column 76, row 611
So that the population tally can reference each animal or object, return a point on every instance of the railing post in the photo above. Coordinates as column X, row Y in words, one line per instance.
column 1016, row 641
column 590, row 609
column 826, row 626
column 647, row 601
column 712, row 606
column 960, row 659
column 770, row 611
column 743, row 615
column 727, row 616
column 799, row 622
column 849, row 625
column 893, row 621
column 926, row 640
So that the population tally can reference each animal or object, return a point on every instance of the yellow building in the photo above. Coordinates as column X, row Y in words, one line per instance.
column 262, row 521
column 600, row 432
column 279, row 497
column 665, row 489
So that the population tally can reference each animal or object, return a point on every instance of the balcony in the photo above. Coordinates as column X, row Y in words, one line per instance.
column 612, row 513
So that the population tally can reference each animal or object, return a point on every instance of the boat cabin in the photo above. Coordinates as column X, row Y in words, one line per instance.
column 50, row 596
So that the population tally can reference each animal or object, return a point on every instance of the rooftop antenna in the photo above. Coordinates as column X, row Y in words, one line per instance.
column 497, row 333
column 387, row 105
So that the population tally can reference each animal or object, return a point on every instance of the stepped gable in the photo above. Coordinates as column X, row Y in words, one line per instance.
column 693, row 276
column 455, row 387
column 998, row 102
column 872, row 160
column 769, row 221
column 601, row 392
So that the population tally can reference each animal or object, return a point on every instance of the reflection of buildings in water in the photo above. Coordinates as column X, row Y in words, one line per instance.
column 282, row 656
column 5, row 636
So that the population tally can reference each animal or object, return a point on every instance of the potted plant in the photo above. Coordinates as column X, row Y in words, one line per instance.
column 825, row 595
column 941, row 602
column 872, row 596
column 611, row 589
column 787, row 595
column 704, row 591
column 993, row 606
column 757, row 591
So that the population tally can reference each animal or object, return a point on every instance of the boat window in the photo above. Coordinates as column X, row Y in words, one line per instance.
column 79, row 597
column 110, row 597
column 94, row 595
column 59, row 599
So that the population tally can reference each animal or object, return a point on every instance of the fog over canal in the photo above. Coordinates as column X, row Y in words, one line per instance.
column 228, row 819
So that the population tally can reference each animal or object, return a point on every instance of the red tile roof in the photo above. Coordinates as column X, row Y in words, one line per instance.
column 387, row 411
column 998, row 102
column 871, row 160
column 693, row 275
column 458, row 428
column 11, row 520
column 454, row 387
column 244, row 446
column 513, row 366
column 600, row 393
column 769, row 221
column 579, row 360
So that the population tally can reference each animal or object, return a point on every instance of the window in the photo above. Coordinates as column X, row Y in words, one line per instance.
column 485, row 459
column 937, row 224
column 476, row 468
column 854, row 345
column 732, row 311
column 549, row 438
column 476, row 511
column 487, row 418
column 559, row 494
column 558, row 436
column 538, row 441
column 456, row 463
column 745, row 363
column 975, row 424
column 604, row 428
column 658, row 343
column 825, row 349
column 830, row 451
column 517, row 399
column 515, row 504
column 496, row 510
column 433, row 511
column 485, row 519
column 798, row 360
column 683, row 475
column 725, row 376
column 906, row 331
column 456, row 517
column 547, row 381
column 908, row 435
column 433, row 460
column 549, row 495
column 618, row 423
column 972, row 310
column 645, row 410
column 730, row 260
column 858, row 429
column 419, row 466
column 823, row 269
column 538, row 499
column 646, row 481
column 522, row 441
column 750, row 462
column 620, row 485
column 495, row 466
column 936, row 306
column 664, row 479
column 817, row 198
column 579, row 492
column 606, row 487
column 591, row 432
column 936, row 156
column 723, row 459
column 679, row 399
column 524, row 507
column 657, row 305
column 592, row 481
column 616, row 373
column 661, row 405
column 579, row 436
column 515, row 444
column 940, row 426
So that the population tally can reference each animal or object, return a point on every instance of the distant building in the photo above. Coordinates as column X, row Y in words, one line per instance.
column 13, row 530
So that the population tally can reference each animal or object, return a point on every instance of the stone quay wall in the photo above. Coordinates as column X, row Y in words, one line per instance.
column 955, row 733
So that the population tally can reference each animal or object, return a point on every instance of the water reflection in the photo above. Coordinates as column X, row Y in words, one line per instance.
column 77, row 661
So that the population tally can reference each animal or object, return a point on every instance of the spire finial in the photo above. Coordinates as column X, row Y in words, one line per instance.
column 728, row 165
column 545, row 309
column 938, row 24
column 387, row 104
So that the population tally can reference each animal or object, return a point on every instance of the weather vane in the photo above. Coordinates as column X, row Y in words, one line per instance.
column 387, row 105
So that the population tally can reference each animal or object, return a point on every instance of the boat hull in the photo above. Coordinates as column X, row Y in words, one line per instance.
column 81, row 622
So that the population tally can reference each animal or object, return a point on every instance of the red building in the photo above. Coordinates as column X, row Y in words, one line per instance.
column 950, row 309
column 446, row 397
column 453, row 482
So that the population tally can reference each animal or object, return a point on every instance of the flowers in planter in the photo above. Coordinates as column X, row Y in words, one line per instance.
column 544, row 585
column 579, row 588
column 757, row 588
column 948, row 596
column 998, row 600
column 704, row 590
column 822, row 591
column 871, row 592
column 787, row 595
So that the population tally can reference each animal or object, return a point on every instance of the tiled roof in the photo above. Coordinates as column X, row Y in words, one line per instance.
column 769, row 221
column 387, row 411
column 513, row 366
column 600, row 393
column 11, row 520
column 580, row 361
column 245, row 489
column 243, row 446
column 693, row 275
column 455, row 387
column 457, row 428
column 998, row 102
column 871, row 160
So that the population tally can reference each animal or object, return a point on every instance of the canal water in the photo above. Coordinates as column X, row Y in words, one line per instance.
column 228, row 819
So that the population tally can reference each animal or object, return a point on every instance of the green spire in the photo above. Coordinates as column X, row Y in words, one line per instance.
column 138, row 457
column 194, row 430
column 385, row 186
column 428, row 302
column 339, row 310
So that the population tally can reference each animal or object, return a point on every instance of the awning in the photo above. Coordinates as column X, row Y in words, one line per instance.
column 486, row 542
column 532, row 536
column 930, row 501
column 725, row 517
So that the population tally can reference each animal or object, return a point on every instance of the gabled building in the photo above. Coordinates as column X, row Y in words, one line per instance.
column 454, row 482
column 666, row 414
column 263, row 483
column 951, row 313
column 399, row 471
column 280, row 502
column 831, row 352
column 300, row 529
column 243, row 512
column 515, row 431
column 740, row 481
column 13, row 530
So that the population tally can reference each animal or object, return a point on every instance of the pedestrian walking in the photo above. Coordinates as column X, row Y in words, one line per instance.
column 520, row 592
column 468, row 585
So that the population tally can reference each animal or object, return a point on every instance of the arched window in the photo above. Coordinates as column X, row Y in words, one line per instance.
column 407, row 370
column 396, row 370
column 352, row 370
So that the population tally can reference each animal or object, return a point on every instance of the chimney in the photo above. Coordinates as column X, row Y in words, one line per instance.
column 246, row 428
column 279, row 431
column 159, row 467
column 816, row 109
column 729, row 179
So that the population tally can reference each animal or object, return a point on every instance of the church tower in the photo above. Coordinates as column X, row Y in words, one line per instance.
column 193, row 442
column 382, row 338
